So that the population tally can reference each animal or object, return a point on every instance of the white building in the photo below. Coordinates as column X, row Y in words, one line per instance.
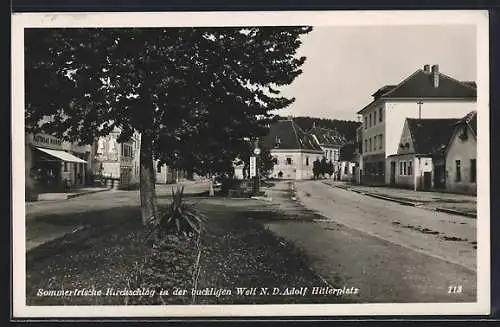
column 116, row 163
column 330, row 142
column 461, row 154
column 426, row 93
column 292, row 149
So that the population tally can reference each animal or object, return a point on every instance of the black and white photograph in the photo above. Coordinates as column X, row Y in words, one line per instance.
column 250, row 164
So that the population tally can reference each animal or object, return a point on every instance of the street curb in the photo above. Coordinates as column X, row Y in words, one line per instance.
column 402, row 202
column 263, row 198
column 70, row 196
column 456, row 212
column 413, row 204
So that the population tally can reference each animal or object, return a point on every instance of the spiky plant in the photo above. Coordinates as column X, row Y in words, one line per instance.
column 181, row 218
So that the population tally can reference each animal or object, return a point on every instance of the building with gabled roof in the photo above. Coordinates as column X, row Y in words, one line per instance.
column 331, row 141
column 461, row 155
column 293, row 150
column 427, row 93
column 419, row 162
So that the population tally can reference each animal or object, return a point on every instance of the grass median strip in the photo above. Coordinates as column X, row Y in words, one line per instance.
column 109, row 264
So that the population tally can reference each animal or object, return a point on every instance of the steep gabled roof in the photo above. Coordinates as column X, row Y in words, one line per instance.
column 471, row 120
column 431, row 136
column 285, row 134
column 420, row 85
column 327, row 137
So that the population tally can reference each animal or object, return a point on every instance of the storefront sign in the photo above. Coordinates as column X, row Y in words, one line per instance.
column 253, row 167
column 45, row 140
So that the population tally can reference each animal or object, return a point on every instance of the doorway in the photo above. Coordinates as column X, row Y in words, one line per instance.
column 427, row 181
column 393, row 173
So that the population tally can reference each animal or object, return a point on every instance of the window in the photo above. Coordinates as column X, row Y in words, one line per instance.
column 375, row 118
column 65, row 167
column 158, row 167
column 473, row 170
column 379, row 114
column 375, row 142
column 410, row 168
column 346, row 169
column 366, row 122
column 400, row 168
column 458, row 175
column 370, row 120
column 288, row 161
column 307, row 161
column 370, row 146
column 275, row 160
column 404, row 168
column 366, row 147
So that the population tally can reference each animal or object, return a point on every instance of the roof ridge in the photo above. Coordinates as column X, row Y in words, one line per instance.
column 295, row 132
column 458, row 81
column 401, row 83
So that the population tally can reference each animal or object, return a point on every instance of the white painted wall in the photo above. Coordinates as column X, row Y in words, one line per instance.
column 419, row 166
column 463, row 150
column 372, row 131
column 298, row 169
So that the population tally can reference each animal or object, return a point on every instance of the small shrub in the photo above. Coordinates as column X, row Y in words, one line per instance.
column 180, row 218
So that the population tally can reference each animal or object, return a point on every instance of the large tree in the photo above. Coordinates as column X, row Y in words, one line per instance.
column 193, row 94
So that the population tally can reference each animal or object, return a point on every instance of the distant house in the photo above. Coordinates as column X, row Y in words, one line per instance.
column 419, row 162
column 330, row 142
column 116, row 163
column 347, row 164
column 165, row 174
column 461, row 154
column 292, row 149
column 427, row 93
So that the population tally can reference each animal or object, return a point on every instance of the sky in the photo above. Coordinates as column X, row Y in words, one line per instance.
column 345, row 65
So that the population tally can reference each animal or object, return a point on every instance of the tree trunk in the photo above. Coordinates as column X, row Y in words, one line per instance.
column 149, row 207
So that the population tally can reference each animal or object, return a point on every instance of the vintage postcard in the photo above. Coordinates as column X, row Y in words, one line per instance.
column 250, row 164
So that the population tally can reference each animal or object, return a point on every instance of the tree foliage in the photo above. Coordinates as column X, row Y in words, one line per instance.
column 330, row 168
column 316, row 168
column 192, row 93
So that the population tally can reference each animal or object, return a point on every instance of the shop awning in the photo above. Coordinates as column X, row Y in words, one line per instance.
column 64, row 156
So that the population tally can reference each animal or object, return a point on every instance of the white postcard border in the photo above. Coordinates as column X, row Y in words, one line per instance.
column 313, row 18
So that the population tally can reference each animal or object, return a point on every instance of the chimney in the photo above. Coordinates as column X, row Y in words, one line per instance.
column 427, row 69
column 435, row 75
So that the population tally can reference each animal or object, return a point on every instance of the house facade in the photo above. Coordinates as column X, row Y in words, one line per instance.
column 427, row 93
column 292, row 149
column 330, row 142
column 461, row 155
column 53, row 165
column 419, row 162
column 165, row 174
column 116, row 164
column 347, row 162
